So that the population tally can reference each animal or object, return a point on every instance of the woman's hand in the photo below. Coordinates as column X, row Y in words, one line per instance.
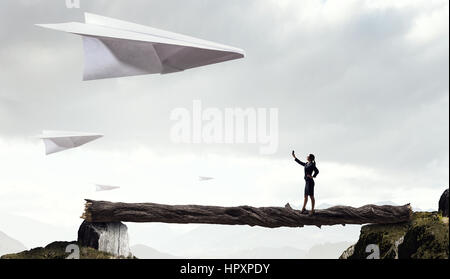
column 310, row 176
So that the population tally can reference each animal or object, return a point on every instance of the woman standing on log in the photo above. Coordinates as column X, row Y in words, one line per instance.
column 311, row 172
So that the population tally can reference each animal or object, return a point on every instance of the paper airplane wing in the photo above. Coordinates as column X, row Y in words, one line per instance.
column 56, row 141
column 53, row 147
column 100, row 188
column 116, row 48
column 205, row 178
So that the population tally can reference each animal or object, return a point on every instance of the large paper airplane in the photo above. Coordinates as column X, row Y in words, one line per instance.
column 115, row 48
column 56, row 141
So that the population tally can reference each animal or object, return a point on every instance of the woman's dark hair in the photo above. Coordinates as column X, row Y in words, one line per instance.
column 312, row 157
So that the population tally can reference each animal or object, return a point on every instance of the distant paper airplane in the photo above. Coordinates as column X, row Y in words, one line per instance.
column 205, row 178
column 115, row 48
column 100, row 188
column 56, row 141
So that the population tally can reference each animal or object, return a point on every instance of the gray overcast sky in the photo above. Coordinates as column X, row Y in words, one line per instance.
column 363, row 84
column 353, row 83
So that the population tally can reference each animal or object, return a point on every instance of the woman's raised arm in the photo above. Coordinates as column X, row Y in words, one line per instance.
column 297, row 160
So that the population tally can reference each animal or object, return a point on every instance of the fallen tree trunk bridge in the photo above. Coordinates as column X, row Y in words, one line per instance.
column 269, row 217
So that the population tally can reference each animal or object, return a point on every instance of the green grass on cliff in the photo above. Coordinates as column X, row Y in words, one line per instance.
column 426, row 236
column 57, row 250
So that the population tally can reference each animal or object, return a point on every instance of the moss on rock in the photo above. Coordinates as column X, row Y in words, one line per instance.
column 426, row 236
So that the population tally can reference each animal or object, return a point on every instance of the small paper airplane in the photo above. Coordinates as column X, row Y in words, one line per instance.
column 115, row 48
column 205, row 178
column 100, row 188
column 56, row 141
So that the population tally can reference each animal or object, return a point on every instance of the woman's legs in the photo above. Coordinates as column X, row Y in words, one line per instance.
column 305, row 202
column 313, row 203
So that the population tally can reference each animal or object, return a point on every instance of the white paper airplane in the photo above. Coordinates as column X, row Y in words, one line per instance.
column 115, row 48
column 100, row 188
column 56, row 141
column 205, row 178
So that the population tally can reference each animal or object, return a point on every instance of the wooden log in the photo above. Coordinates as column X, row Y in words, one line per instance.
column 270, row 217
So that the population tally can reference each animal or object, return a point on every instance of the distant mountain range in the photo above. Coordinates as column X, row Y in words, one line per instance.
column 268, row 253
column 9, row 245
column 19, row 227
column 327, row 250
column 144, row 252
column 322, row 251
